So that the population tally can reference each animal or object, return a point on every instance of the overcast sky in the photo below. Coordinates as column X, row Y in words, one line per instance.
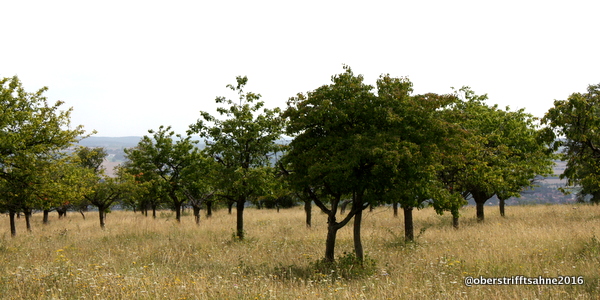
column 129, row 66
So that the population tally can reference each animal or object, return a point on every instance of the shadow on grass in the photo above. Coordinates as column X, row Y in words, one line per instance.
column 346, row 266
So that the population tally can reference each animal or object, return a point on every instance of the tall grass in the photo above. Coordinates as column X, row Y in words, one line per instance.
column 138, row 257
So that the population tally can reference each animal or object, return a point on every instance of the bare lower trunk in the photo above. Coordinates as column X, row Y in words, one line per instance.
column 455, row 222
column 330, row 242
column 502, row 207
column 480, row 214
column 13, row 226
column 178, row 212
column 395, row 208
column 102, row 215
column 409, row 233
column 28, row 219
column 240, row 219
column 230, row 206
column 358, row 248
column 209, row 209
column 308, row 212
column 480, row 199
column 46, row 213
column 153, row 212
column 197, row 214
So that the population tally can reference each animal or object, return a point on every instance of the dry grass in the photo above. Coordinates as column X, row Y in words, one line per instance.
column 141, row 258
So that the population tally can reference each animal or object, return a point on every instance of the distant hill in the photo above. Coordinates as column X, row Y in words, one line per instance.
column 110, row 142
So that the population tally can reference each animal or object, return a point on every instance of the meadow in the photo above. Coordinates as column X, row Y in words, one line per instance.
column 139, row 257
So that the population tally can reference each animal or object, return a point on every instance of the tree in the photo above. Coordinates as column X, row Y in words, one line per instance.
column 421, row 133
column 197, row 183
column 32, row 133
column 64, row 184
column 241, row 144
column 575, row 125
column 506, row 151
column 166, row 158
column 347, row 145
column 104, row 190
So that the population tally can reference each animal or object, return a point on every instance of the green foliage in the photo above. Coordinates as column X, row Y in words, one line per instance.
column 33, row 135
column 500, row 151
column 241, row 145
column 92, row 158
column 576, row 122
column 103, row 191
column 168, row 166
column 352, row 142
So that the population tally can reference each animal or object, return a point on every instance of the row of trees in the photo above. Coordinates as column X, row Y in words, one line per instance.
column 352, row 144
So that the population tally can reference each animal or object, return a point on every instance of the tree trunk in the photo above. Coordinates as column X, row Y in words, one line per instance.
column 308, row 212
column 153, row 212
column 62, row 212
column 331, row 235
column 13, row 227
column 197, row 214
column 230, row 206
column 178, row 212
column 455, row 223
column 395, row 207
column 370, row 207
column 102, row 214
column 409, row 233
column 27, row 213
column 480, row 215
column 502, row 207
column 46, row 213
column 240, row 218
column 358, row 248
column 208, row 209
column 480, row 199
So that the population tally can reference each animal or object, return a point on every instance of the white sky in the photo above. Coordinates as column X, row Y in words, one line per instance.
column 129, row 66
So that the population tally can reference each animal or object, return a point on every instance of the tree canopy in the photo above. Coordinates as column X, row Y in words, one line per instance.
column 33, row 135
column 241, row 144
column 576, row 125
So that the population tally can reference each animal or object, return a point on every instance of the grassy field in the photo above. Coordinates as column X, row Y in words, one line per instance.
column 139, row 257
